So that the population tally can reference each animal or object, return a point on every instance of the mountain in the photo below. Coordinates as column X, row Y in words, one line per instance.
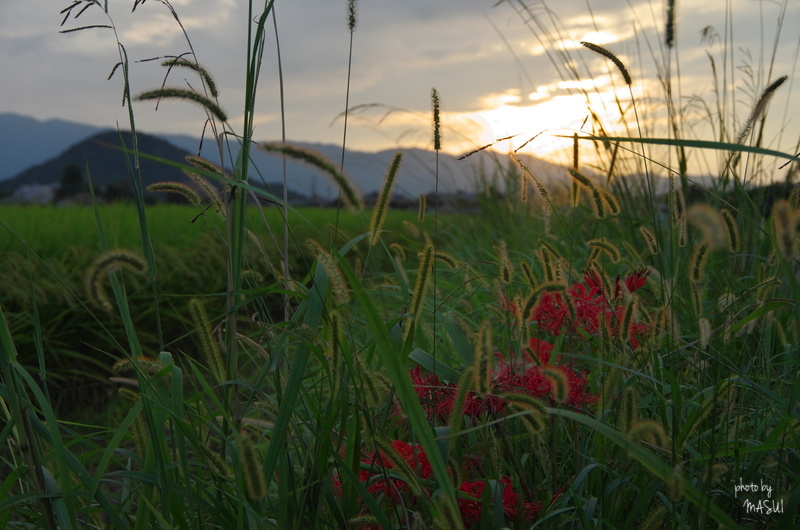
column 106, row 162
column 36, row 151
column 25, row 142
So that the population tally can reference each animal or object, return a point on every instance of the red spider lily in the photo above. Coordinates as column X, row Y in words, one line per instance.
column 415, row 457
column 633, row 282
column 528, row 379
column 471, row 506
column 593, row 307
column 378, row 463
column 438, row 398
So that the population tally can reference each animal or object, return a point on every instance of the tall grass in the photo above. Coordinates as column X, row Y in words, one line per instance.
column 599, row 362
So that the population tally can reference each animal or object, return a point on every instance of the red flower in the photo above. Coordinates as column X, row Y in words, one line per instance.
column 593, row 307
column 471, row 506
column 633, row 282
column 550, row 313
column 435, row 396
column 541, row 348
column 513, row 508
column 470, row 503
column 415, row 457
column 528, row 379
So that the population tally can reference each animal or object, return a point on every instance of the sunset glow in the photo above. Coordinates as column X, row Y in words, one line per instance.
column 537, row 120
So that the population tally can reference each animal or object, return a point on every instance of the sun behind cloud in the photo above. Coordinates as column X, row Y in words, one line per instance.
column 539, row 119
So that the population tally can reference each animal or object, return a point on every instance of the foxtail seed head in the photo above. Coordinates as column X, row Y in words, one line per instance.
column 611, row 201
column 484, row 350
column 255, row 484
column 350, row 193
column 437, row 126
column 187, row 95
column 613, row 58
column 607, row 247
column 676, row 201
column 582, row 179
column 734, row 238
column 573, row 313
column 650, row 431
column 398, row 250
column 412, row 229
column 456, row 418
column 536, row 412
column 543, row 190
column 381, row 205
column 550, row 268
column 351, row 15
column 202, row 72
column 682, row 232
column 527, row 273
column 575, row 151
column 341, row 293
column 105, row 263
column 447, row 259
column 449, row 515
column 559, row 383
column 764, row 288
column 575, row 194
column 794, row 199
column 698, row 261
column 399, row 466
column 420, row 287
column 530, row 302
column 669, row 31
column 144, row 363
column 675, row 487
column 761, row 106
column 208, row 188
column 598, row 204
column 784, row 221
column 628, row 318
column 649, row 239
column 178, row 188
column 523, row 188
column 208, row 341
column 506, row 269
column 374, row 390
column 630, row 409
column 710, row 222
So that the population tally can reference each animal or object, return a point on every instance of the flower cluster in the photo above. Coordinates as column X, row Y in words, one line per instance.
column 525, row 377
column 375, row 470
column 593, row 307
column 377, row 467
column 399, row 473
column 470, row 507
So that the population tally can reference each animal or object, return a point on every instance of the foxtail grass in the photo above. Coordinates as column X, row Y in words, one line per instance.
column 382, row 204
column 349, row 192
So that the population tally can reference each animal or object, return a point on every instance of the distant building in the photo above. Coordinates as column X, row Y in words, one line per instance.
column 35, row 193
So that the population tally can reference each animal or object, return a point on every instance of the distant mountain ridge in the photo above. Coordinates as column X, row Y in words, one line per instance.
column 106, row 162
column 36, row 151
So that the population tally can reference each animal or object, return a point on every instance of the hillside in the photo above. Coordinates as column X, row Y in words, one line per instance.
column 105, row 161
column 60, row 143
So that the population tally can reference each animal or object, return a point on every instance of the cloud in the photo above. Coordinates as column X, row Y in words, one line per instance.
column 481, row 59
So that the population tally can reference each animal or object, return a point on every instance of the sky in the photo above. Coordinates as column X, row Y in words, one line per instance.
column 500, row 68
